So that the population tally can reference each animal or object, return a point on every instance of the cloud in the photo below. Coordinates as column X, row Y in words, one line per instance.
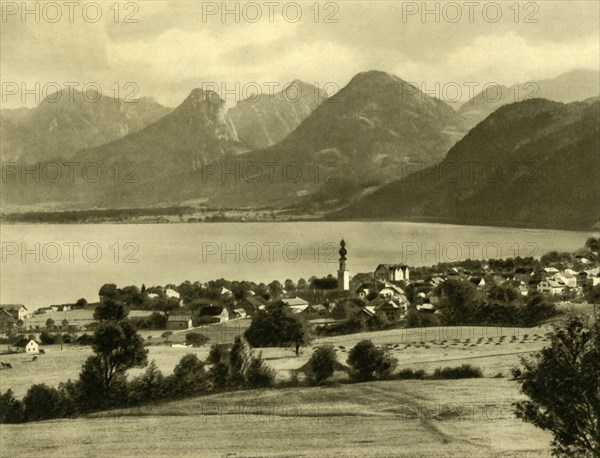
column 172, row 50
column 503, row 59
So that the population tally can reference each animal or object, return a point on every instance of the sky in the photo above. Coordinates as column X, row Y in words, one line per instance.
column 165, row 49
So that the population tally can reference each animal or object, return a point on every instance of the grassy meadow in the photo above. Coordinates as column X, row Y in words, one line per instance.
column 412, row 418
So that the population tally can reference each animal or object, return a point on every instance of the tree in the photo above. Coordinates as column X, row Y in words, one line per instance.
column 11, row 409
column 49, row 324
column 108, row 291
column 42, row 402
column 459, row 301
column 289, row 285
column 220, row 366
column 189, row 377
column 109, row 310
column 64, row 324
column 593, row 244
column 119, row 348
column 240, row 357
column 81, row 303
column 321, row 364
column 368, row 361
column 561, row 382
column 47, row 339
column 275, row 289
column 276, row 327
column 195, row 339
column 259, row 374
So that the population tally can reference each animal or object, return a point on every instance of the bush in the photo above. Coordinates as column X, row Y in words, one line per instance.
column 21, row 341
column 42, row 402
column 189, row 377
column 11, row 409
column 259, row 374
column 47, row 339
column 148, row 386
column 321, row 364
column 464, row 371
column 195, row 339
column 166, row 334
column 66, row 338
column 368, row 361
column 416, row 319
column 410, row 374
column 84, row 339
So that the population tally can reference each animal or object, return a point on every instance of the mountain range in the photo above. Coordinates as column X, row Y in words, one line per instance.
column 530, row 163
column 368, row 152
column 64, row 123
column 568, row 87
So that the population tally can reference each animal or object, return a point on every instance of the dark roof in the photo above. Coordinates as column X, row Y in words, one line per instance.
column 254, row 301
column 6, row 317
column 12, row 306
column 392, row 266
column 211, row 311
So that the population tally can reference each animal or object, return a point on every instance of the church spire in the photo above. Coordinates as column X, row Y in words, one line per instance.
column 343, row 273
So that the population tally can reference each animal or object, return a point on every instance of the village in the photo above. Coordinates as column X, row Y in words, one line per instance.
column 382, row 299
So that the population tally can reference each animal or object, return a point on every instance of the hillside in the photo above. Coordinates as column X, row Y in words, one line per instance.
column 195, row 132
column 58, row 129
column 569, row 87
column 264, row 120
column 532, row 163
column 362, row 137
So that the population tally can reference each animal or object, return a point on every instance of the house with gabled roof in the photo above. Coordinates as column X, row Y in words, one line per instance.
column 252, row 304
column 552, row 287
column 392, row 272
column 7, row 321
column 296, row 304
column 18, row 311
column 175, row 322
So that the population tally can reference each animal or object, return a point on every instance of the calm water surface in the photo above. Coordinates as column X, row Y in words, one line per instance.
column 54, row 264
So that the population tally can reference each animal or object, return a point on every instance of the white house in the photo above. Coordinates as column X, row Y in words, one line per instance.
column 392, row 272
column 567, row 278
column 226, row 292
column 550, row 287
column 171, row 293
column 296, row 304
column 32, row 347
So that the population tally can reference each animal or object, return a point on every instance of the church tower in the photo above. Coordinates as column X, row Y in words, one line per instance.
column 343, row 273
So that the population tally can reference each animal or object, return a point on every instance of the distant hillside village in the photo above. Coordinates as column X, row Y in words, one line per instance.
column 392, row 295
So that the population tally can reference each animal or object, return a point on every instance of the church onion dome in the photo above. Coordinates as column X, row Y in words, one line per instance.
column 343, row 251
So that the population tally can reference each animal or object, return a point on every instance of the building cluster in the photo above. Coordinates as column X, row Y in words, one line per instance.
column 378, row 295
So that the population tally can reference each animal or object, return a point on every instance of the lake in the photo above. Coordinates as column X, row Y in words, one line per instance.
column 55, row 264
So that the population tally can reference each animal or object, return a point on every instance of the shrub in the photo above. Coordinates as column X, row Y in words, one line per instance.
column 21, row 341
column 464, row 371
column 259, row 374
column 11, row 409
column 42, row 402
column 66, row 338
column 47, row 339
column 368, row 361
column 189, row 377
column 84, row 339
column 166, row 334
column 195, row 339
column 321, row 364
column 410, row 374
column 148, row 386
column 240, row 358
